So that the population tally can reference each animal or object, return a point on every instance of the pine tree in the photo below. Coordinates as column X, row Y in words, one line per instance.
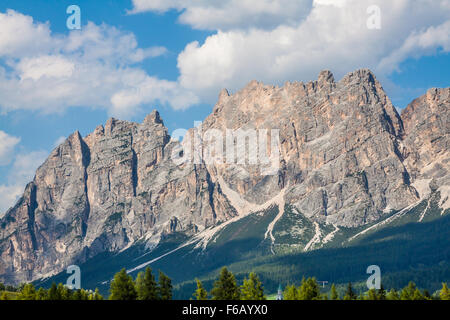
column 122, row 287
column 200, row 293
column 418, row 295
column 150, row 285
column 309, row 289
column 408, row 291
column 427, row 295
column 334, row 293
column 63, row 292
column 140, row 286
column 165, row 287
column 393, row 295
column 53, row 293
column 291, row 293
column 445, row 293
column 41, row 294
column 225, row 288
column 146, row 286
column 252, row 288
column 381, row 293
column 21, row 286
column 28, row 293
column 372, row 295
column 350, row 294
column 76, row 295
column 96, row 295
column 84, row 295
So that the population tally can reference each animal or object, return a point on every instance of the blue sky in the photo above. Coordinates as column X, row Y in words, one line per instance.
column 132, row 56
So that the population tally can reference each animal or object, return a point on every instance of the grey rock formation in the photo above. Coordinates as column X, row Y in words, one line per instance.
column 341, row 161
column 426, row 142
column 102, row 193
column 346, row 158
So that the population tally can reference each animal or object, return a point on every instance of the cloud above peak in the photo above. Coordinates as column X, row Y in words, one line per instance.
column 273, row 41
column 7, row 145
column 230, row 14
column 89, row 67
column 35, row 38
column 334, row 35
column 22, row 172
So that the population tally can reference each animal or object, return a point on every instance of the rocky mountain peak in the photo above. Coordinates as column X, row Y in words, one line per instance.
column 364, row 76
column 223, row 95
column 110, row 124
column 252, row 84
column 153, row 118
column 325, row 76
column 344, row 160
column 326, row 80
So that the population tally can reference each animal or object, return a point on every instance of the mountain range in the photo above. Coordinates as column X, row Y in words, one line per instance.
column 349, row 170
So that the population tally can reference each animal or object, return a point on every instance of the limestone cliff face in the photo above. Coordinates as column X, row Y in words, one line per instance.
column 427, row 140
column 346, row 158
column 103, row 193
column 339, row 144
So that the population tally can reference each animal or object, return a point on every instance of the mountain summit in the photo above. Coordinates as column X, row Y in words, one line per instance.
column 346, row 159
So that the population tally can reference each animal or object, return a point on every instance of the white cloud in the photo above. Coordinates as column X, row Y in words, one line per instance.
column 7, row 144
column 91, row 67
column 20, row 36
column 336, row 3
column 22, row 172
column 141, row 88
column 268, row 40
column 417, row 44
column 230, row 14
column 45, row 66
column 333, row 36
column 25, row 166
column 158, row 5
column 9, row 194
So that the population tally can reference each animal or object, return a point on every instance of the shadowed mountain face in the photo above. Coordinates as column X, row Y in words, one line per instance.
column 347, row 160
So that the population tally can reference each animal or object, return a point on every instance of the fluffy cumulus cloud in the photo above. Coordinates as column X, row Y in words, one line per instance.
column 230, row 14
column 7, row 144
column 96, row 67
column 320, row 34
column 22, row 172
column 34, row 38
column 427, row 41
column 268, row 40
